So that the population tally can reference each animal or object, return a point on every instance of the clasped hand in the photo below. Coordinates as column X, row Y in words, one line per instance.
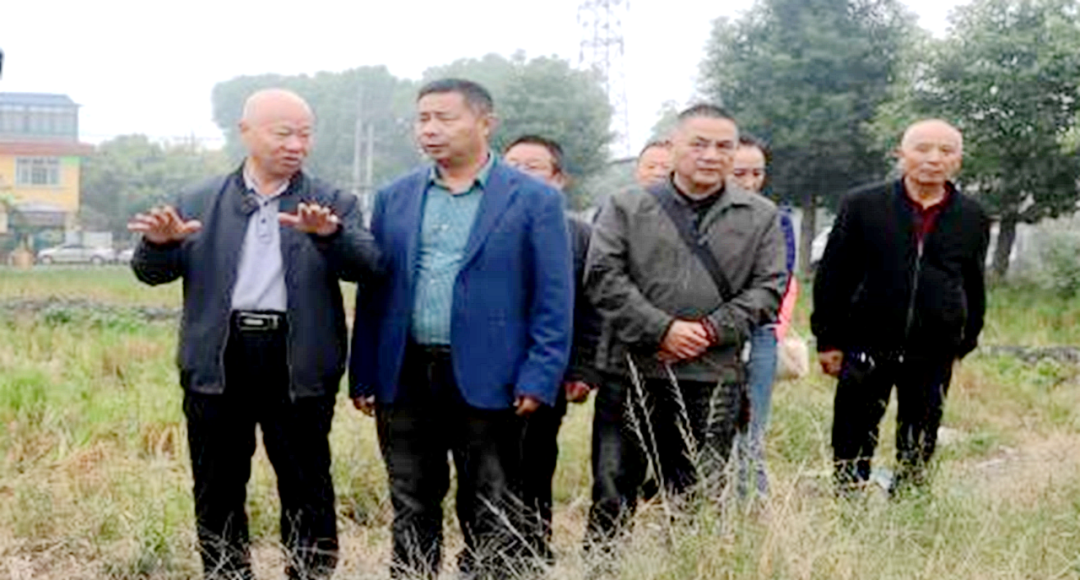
column 684, row 340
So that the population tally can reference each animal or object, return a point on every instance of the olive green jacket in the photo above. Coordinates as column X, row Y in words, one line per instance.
column 641, row 277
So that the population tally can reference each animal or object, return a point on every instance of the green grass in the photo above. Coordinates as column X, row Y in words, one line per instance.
column 95, row 481
column 1024, row 314
column 105, row 284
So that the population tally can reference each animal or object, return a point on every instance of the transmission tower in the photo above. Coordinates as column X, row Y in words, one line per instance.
column 603, row 50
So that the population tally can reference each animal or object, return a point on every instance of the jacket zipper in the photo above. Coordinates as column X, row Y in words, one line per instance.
column 225, row 347
column 914, row 292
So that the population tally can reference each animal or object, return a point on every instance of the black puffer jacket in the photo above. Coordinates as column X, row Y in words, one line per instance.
column 878, row 289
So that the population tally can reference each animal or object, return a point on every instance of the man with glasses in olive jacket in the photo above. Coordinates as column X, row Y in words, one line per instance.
column 680, row 272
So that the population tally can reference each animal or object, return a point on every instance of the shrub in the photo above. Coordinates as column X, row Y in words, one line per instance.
column 1061, row 260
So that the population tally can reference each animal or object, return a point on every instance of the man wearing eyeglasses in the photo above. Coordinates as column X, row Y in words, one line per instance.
column 543, row 159
column 680, row 272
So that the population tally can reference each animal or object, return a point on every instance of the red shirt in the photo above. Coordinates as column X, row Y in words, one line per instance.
column 926, row 217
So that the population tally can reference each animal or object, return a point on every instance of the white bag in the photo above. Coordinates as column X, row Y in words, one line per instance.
column 792, row 358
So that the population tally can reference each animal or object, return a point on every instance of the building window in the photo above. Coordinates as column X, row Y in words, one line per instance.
column 37, row 171
column 12, row 119
column 38, row 121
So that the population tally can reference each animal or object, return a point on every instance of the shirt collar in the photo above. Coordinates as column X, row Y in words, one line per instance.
column 251, row 186
column 481, row 179
column 728, row 194
column 950, row 191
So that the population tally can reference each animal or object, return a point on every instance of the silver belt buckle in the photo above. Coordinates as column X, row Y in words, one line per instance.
column 258, row 321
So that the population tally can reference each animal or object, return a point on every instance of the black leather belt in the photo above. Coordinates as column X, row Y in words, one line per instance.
column 431, row 351
column 258, row 321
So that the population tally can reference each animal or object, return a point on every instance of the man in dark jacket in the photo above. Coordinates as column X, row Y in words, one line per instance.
column 261, row 252
column 899, row 297
column 542, row 158
column 676, row 321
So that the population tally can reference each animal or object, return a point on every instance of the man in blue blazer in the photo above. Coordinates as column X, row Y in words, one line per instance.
column 469, row 332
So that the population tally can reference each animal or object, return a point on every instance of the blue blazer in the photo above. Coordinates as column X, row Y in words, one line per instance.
column 512, row 310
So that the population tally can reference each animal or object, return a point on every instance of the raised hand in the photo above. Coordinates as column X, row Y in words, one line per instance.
column 162, row 225
column 311, row 218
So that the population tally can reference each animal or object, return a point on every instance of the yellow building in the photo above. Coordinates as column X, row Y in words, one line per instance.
column 40, row 155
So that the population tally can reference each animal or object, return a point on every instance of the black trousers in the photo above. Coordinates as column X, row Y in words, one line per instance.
column 684, row 432
column 428, row 421
column 221, row 436
column 540, row 453
column 862, row 394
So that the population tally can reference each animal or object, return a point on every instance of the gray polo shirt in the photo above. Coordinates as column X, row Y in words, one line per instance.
column 260, row 275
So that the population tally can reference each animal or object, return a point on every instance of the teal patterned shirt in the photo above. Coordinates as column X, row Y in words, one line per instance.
column 446, row 222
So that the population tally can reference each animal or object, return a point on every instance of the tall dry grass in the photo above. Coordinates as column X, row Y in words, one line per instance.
column 95, row 482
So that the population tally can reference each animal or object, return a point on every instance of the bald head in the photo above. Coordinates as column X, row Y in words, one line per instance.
column 930, row 153
column 271, row 103
column 276, row 128
column 933, row 128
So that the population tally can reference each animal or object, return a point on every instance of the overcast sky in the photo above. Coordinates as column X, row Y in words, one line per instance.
column 148, row 66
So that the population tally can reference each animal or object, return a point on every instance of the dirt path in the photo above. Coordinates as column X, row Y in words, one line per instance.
column 1027, row 471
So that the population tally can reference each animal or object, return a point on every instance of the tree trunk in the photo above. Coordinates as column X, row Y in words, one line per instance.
column 807, row 229
column 1003, row 248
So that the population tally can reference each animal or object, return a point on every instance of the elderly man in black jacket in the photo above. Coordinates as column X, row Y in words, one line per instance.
column 899, row 297
column 262, row 340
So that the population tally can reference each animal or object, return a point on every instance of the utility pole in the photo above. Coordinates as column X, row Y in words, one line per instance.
column 603, row 49
column 369, row 170
column 358, row 136
column 363, row 165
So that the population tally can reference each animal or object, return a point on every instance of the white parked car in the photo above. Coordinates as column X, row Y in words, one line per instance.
column 817, row 247
column 76, row 254
column 125, row 256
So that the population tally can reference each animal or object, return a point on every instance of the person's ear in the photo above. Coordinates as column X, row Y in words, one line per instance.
column 560, row 181
column 490, row 123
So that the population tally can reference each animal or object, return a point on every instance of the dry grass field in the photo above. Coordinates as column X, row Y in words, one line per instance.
column 95, row 481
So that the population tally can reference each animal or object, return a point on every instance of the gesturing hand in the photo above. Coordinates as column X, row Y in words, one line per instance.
column 162, row 225
column 684, row 340
column 311, row 218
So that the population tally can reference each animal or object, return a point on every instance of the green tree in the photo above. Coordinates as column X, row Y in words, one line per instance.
column 131, row 173
column 544, row 96
column 384, row 102
column 666, row 121
column 1009, row 76
column 11, row 220
column 807, row 77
